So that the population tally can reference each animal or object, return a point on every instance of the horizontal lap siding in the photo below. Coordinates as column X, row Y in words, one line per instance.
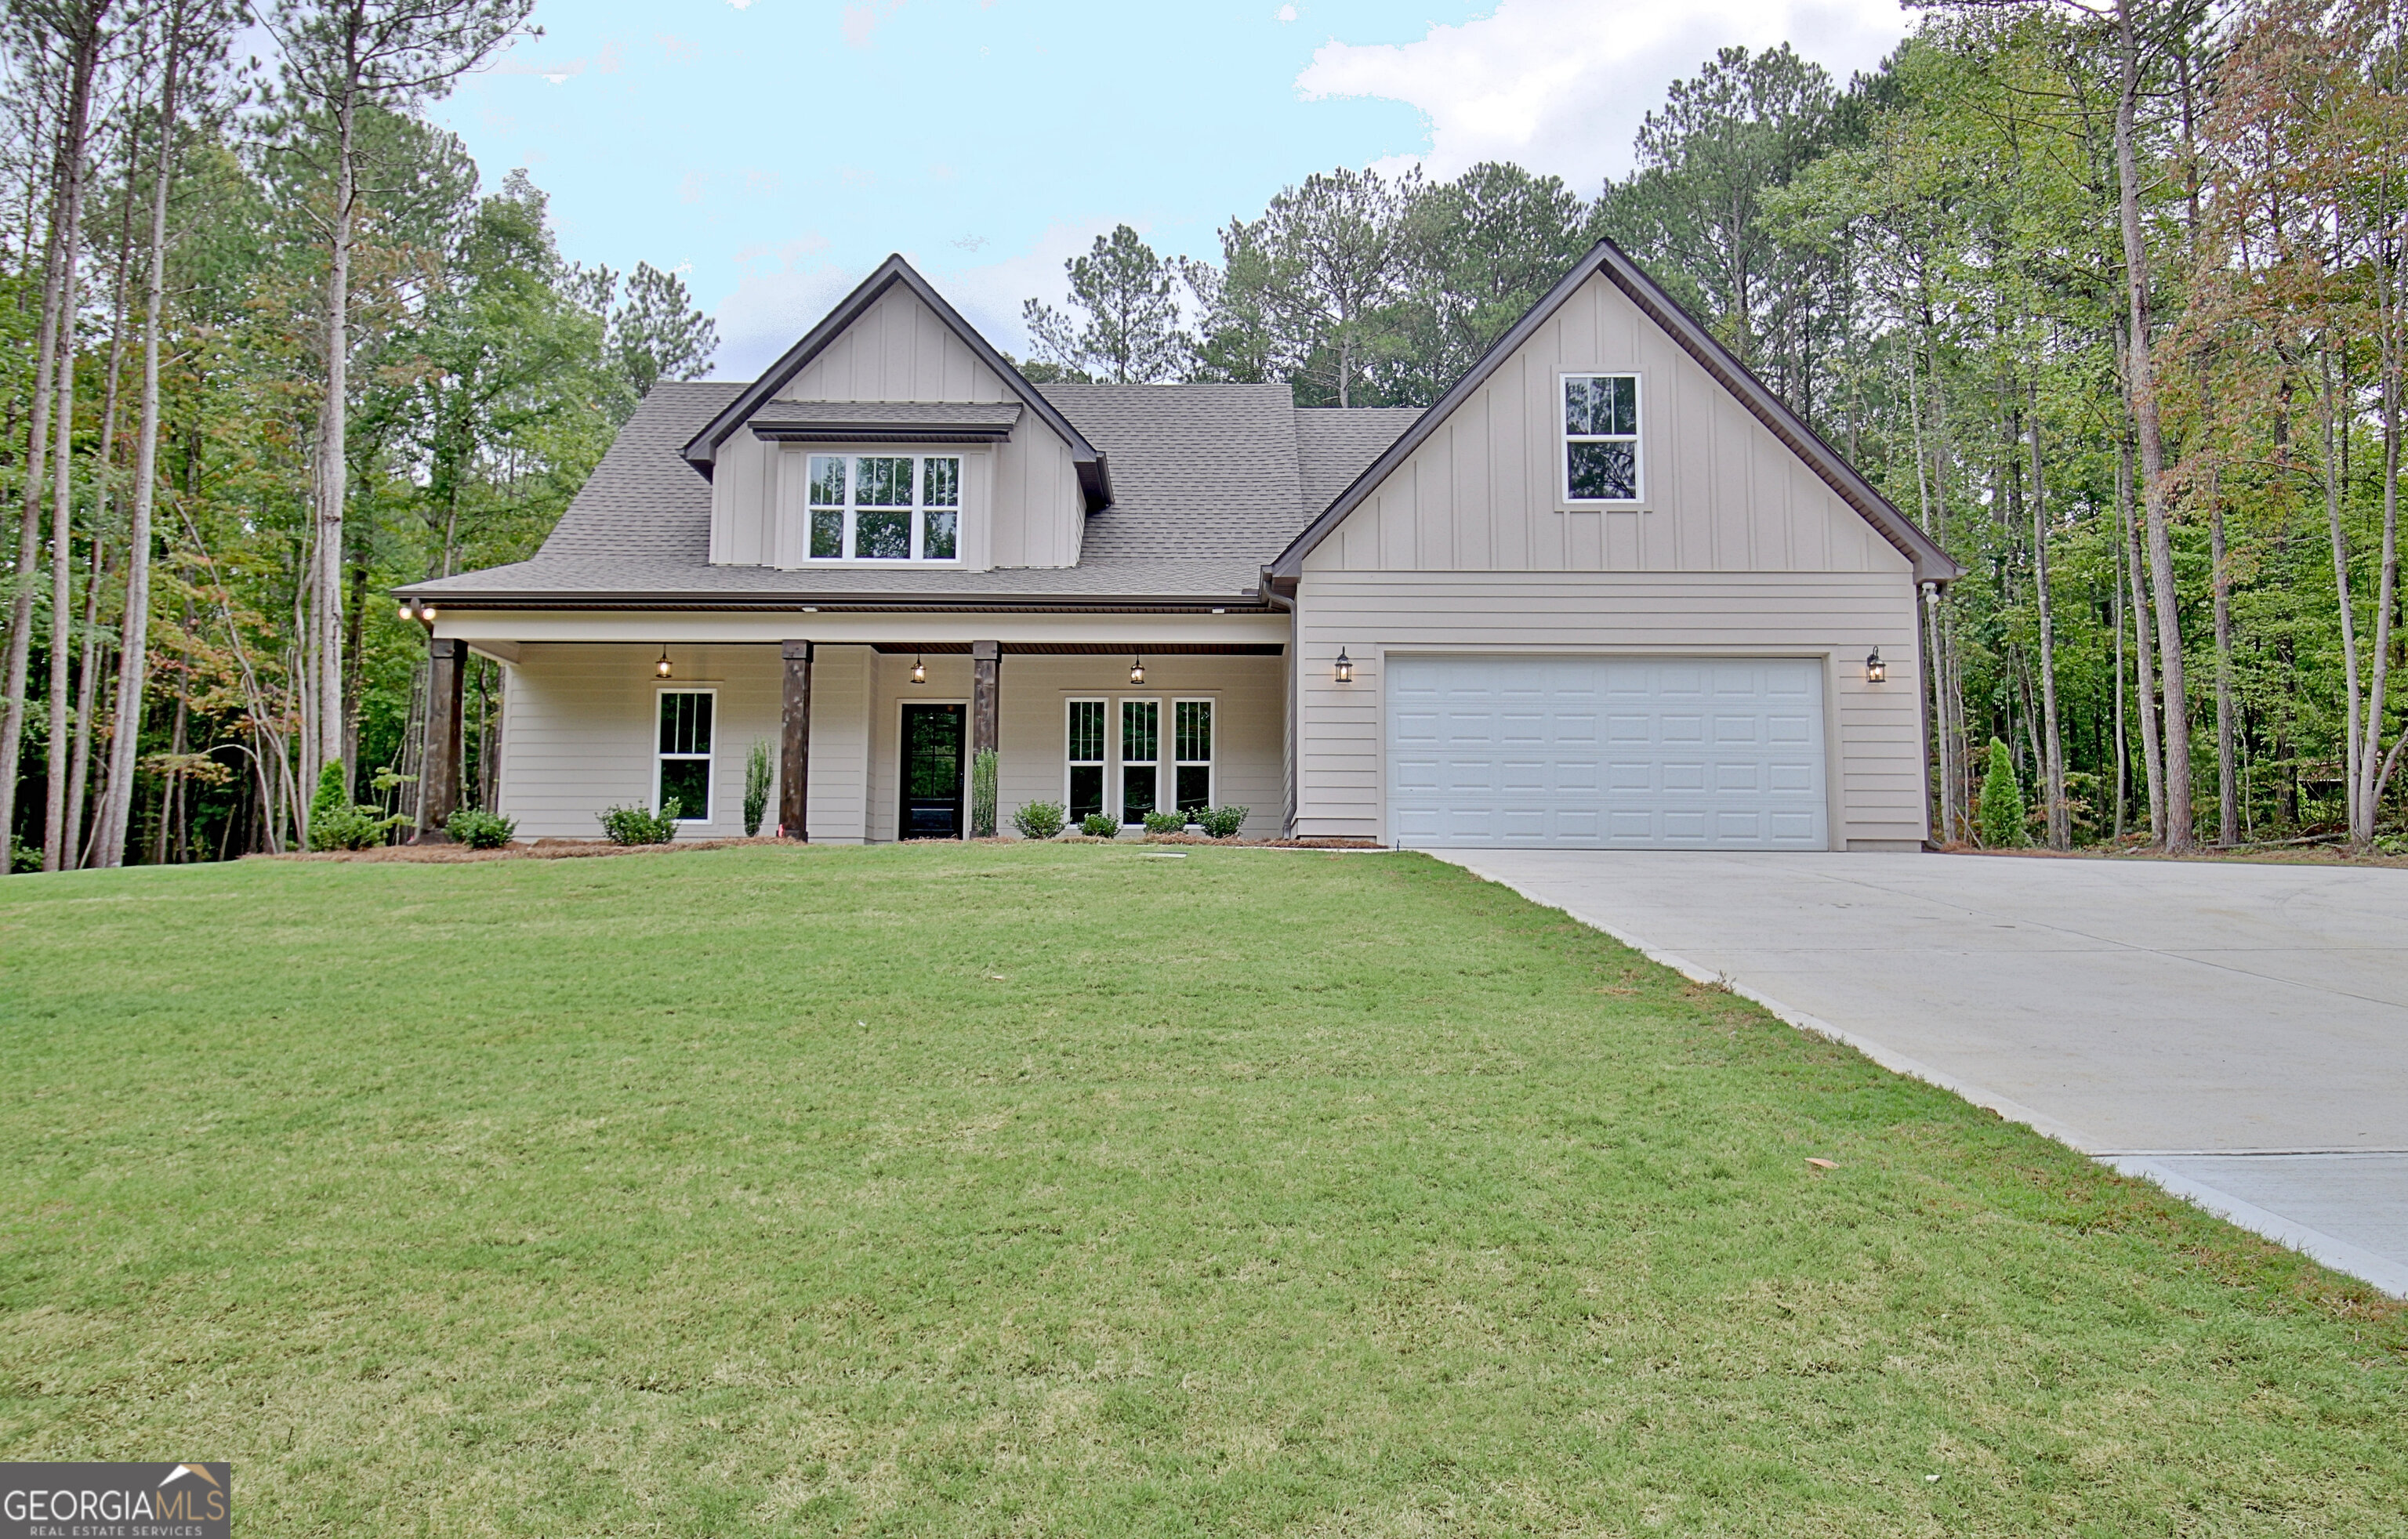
column 580, row 723
column 1876, row 729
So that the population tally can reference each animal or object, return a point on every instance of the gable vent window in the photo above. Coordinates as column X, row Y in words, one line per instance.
column 885, row 506
column 1601, row 460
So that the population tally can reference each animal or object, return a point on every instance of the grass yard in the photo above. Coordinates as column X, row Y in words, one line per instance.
column 1069, row 1191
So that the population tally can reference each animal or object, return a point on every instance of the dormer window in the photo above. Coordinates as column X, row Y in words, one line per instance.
column 1601, row 458
column 885, row 507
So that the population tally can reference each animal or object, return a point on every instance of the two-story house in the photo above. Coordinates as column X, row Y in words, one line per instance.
column 1608, row 590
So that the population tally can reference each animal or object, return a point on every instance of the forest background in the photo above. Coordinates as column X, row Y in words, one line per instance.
column 2108, row 297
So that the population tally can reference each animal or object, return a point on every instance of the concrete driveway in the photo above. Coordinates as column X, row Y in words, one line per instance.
column 2237, row 1032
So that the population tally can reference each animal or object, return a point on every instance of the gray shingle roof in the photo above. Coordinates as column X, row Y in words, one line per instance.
column 1209, row 481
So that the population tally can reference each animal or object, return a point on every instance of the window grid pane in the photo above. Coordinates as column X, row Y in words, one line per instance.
column 1086, row 732
column 1140, row 730
column 685, row 722
column 1193, row 734
column 1601, row 437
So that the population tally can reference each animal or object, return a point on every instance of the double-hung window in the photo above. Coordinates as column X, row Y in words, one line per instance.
column 682, row 772
column 1141, row 758
column 1192, row 745
column 885, row 507
column 1601, row 453
column 1087, row 749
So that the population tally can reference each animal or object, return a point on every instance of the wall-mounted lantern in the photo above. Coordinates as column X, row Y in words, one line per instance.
column 919, row 669
column 1875, row 669
column 418, row 609
column 1137, row 669
column 1345, row 667
column 662, row 667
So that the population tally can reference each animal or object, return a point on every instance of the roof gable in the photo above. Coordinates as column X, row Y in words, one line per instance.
column 702, row 450
column 1930, row 562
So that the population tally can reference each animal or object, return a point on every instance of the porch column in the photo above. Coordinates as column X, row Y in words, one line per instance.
column 439, row 772
column 794, row 752
column 986, row 668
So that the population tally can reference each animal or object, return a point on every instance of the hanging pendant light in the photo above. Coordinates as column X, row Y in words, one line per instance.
column 1137, row 669
column 919, row 669
column 662, row 667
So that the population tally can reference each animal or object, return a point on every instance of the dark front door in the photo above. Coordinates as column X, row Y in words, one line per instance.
column 932, row 771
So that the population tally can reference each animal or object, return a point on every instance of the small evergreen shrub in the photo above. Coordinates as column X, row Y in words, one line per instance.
column 481, row 830
column 1039, row 820
column 337, row 822
column 1100, row 825
column 1165, row 822
column 635, row 826
column 1221, row 822
column 2001, row 819
column 983, row 794
column 756, row 787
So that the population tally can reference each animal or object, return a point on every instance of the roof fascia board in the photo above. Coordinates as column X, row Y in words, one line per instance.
column 702, row 449
column 1932, row 564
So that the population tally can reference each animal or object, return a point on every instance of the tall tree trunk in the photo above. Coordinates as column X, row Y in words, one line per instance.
column 2060, row 821
column 87, row 688
column 29, row 529
column 133, row 658
column 2146, row 689
column 2344, row 601
column 2175, row 830
column 2376, row 766
column 2123, row 730
column 55, row 841
column 332, row 479
column 2228, row 777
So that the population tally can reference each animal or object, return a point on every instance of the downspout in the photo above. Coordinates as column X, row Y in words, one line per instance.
column 1278, row 600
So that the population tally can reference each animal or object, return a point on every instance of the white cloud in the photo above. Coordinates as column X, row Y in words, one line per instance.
column 1285, row 13
column 1561, row 85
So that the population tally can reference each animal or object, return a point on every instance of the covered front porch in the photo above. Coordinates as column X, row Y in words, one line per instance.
column 871, row 725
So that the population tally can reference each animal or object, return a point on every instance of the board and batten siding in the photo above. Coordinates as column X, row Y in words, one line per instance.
column 579, row 724
column 1027, row 512
column 1873, row 732
column 1032, row 722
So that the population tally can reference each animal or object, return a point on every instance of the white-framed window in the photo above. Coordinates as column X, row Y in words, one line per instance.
column 1085, row 751
column 1141, row 758
column 1601, row 448
column 681, row 757
column 1191, row 748
column 885, row 507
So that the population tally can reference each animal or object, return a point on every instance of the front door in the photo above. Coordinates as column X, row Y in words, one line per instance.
column 932, row 771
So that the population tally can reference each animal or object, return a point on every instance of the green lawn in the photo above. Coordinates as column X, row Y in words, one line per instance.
column 1072, row 1190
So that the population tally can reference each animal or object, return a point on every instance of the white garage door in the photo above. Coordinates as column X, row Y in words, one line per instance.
column 1599, row 752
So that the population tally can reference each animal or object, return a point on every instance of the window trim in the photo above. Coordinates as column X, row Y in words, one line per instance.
column 1564, row 438
column 709, row 761
column 919, row 509
column 1104, row 764
column 1122, row 762
column 1212, row 761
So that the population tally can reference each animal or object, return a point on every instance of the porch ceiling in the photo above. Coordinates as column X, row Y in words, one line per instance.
column 1095, row 648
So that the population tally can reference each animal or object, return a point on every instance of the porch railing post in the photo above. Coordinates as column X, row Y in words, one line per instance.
column 986, row 669
column 795, row 747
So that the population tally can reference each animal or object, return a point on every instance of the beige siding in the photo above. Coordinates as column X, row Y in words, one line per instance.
column 582, row 724
column 1025, row 508
column 1484, row 494
column 1874, row 731
column 1032, row 719
column 840, row 744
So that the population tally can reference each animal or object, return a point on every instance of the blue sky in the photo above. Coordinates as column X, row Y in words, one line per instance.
column 777, row 149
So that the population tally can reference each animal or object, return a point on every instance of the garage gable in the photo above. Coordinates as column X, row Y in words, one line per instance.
column 1731, row 480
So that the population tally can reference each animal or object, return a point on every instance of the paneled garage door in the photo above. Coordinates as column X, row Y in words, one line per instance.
column 1599, row 752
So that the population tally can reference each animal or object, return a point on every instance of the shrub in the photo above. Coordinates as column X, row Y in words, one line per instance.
column 983, row 794
column 1165, row 822
column 1221, row 822
column 481, row 830
column 2000, row 819
column 1039, row 820
column 337, row 822
column 757, row 787
column 1099, row 825
column 635, row 826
